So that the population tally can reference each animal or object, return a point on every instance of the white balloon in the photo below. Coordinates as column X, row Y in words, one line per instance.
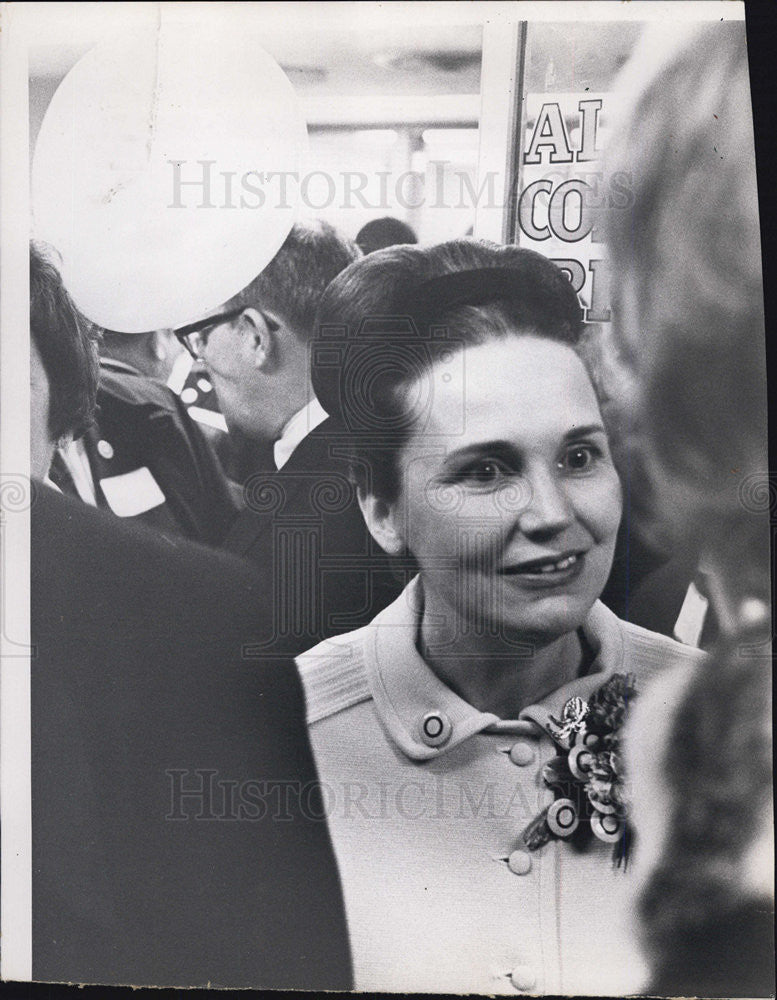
column 166, row 172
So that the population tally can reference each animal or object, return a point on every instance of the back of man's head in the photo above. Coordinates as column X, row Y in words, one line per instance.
column 292, row 284
column 66, row 345
column 386, row 232
column 152, row 353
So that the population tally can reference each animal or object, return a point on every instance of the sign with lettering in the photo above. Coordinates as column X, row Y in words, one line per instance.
column 563, row 185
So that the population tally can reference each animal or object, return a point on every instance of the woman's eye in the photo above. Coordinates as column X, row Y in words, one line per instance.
column 484, row 472
column 579, row 458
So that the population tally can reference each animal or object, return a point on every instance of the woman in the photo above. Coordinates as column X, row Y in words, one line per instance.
column 478, row 448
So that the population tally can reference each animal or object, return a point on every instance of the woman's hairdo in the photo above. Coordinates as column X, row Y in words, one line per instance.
column 388, row 318
column 527, row 291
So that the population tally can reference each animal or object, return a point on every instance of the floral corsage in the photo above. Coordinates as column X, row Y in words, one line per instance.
column 587, row 773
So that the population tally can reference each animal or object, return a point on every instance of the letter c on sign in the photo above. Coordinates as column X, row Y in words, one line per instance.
column 526, row 210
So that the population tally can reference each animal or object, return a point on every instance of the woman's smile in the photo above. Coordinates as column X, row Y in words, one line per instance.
column 512, row 514
column 548, row 571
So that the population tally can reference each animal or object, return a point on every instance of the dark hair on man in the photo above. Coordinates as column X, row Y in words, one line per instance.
column 388, row 318
column 706, row 932
column 292, row 283
column 688, row 275
column 688, row 238
column 377, row 234
column 67, row 346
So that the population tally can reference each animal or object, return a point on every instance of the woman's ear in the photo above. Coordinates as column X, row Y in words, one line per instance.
column 383, row 522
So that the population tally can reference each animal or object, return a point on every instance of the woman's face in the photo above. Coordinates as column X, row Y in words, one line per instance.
column 509, row 499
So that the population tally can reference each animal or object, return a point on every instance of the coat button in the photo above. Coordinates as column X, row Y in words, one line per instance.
column 523, row 978
column 436, row 729
column 562, row 818
column 608, row 828
column 522, row 753
column 105, row 449
column 581, row 760
column 519, row 862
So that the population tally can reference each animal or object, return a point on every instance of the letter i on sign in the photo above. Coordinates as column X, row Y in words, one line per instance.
column 550, row 138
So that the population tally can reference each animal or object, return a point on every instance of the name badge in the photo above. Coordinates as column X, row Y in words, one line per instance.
column 132, row 493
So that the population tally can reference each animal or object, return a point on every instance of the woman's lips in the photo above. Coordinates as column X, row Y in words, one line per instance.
column 548, row 570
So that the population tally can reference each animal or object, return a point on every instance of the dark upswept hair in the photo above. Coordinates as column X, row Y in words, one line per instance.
column 67, row 345
column 389, row 317
column 293, row 282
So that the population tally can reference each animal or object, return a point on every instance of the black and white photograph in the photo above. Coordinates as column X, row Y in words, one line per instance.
column 385, row 505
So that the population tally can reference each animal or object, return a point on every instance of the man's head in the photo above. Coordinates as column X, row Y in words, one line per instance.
column 687, row 291
column 153, row 353
column 63, row 364
column 687, row 299
column 257, row 350
column 385, row 232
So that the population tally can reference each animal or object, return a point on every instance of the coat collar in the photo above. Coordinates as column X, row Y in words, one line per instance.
column 405, row 689
column 119, row 367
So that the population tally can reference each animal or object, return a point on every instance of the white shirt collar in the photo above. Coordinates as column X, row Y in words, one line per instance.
column 296, row 430
column 76, row 460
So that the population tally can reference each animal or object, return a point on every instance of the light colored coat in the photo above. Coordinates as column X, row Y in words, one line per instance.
column 422, row 832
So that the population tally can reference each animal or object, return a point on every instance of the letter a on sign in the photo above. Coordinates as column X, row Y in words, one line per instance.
column 549, row 132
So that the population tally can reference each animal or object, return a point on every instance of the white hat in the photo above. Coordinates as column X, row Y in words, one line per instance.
column 164, row 173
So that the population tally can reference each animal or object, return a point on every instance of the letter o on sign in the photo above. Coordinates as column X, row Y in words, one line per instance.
column 557, row 212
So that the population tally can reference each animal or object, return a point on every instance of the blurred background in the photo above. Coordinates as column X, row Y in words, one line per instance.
column 400, row 108
column 428, row 123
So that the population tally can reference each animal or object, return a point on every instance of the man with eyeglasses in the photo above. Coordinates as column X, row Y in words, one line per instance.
column 146, row 715
column 301, row 523
column 255, row 348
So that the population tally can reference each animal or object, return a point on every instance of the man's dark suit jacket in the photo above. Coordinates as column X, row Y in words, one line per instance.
column 140, row 424
column 303, row 529
column 177, row 830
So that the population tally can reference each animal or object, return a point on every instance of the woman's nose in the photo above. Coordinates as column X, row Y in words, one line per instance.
column 547, row 510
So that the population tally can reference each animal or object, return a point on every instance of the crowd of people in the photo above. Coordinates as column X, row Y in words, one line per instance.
column 416, row 564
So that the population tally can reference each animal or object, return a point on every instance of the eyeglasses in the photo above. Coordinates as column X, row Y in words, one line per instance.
column 194, row 336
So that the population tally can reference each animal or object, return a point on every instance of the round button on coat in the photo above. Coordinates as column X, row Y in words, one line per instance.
column 519, row 862
column 523, row 977
column 607, row 828
column 606, row 808
column 105, row 448
column 562, row 818
column 436, row 729
column 581, row 760
column 522, row 753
